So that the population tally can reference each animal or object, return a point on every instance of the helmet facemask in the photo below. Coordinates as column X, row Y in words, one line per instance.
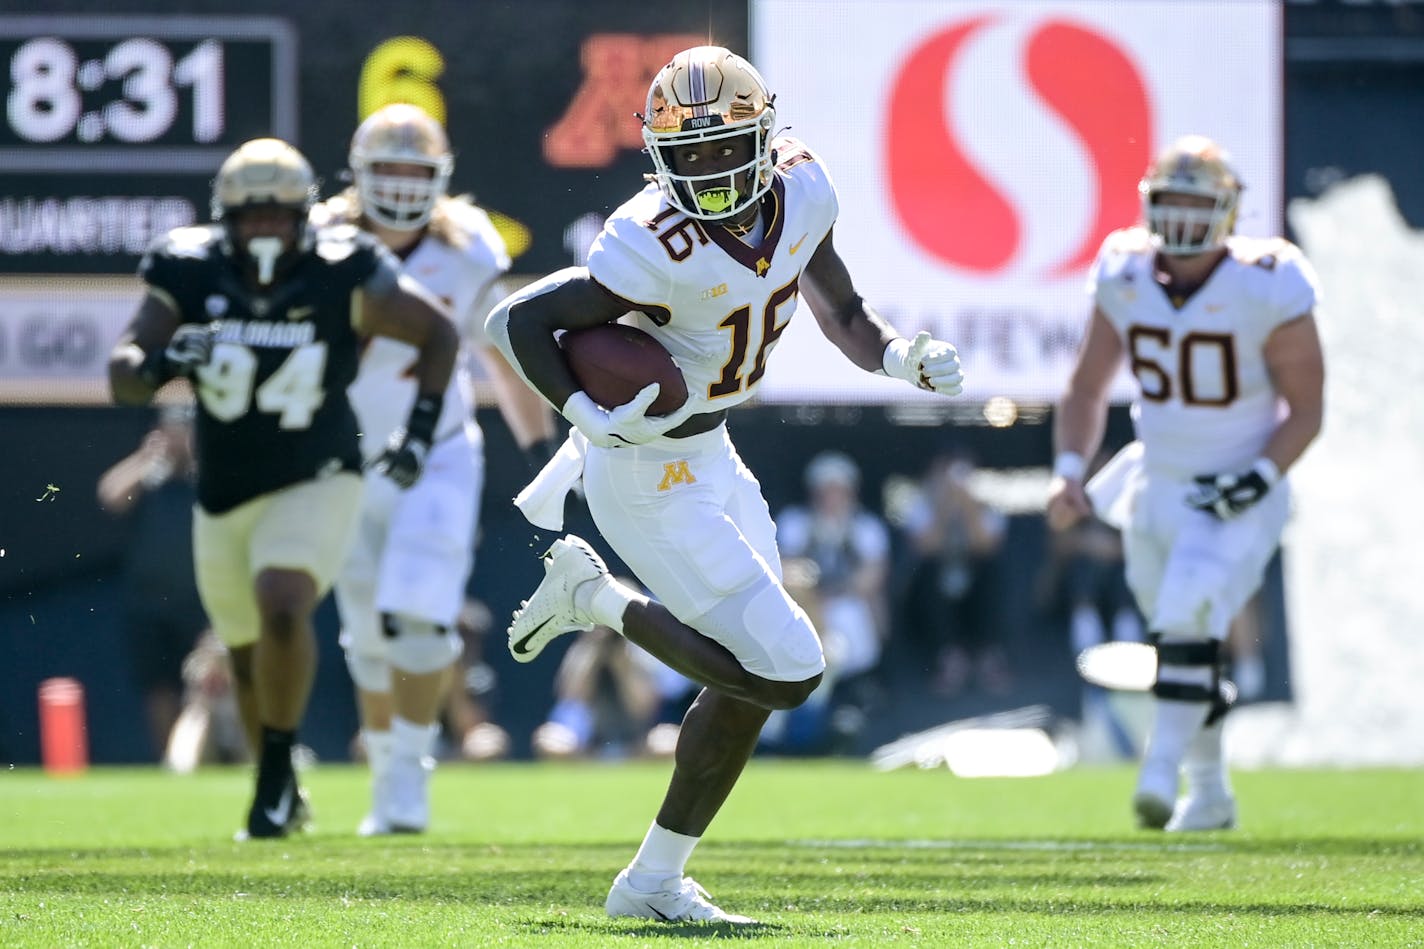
column 1192, row 166
column 400, row 134
column 708, row 94
column 265, row 173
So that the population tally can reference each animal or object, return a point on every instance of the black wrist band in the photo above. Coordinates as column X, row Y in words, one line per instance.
column 423, row 416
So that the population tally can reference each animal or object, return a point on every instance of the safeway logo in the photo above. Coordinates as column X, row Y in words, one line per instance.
column 988, row 88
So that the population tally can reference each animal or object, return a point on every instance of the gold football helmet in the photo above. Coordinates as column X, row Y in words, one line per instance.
column 705, row 94
column 265, row 173
column 1198, row 166
column 400, row 134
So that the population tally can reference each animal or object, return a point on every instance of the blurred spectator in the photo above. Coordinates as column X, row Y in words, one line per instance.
column 209, row 729
column 850, row 548
column 835, row 563
column 466, row 725
column 160, row 613
column 949, row 600
column 1083, row 586
column 609, row 698
column 1084, row 577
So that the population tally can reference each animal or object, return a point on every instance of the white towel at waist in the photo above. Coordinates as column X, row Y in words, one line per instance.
column 542, row 500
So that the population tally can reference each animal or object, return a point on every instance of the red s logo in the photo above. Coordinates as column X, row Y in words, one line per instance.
column 950, row 208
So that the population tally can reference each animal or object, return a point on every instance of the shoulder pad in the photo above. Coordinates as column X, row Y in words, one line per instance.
column 194, row 242
column 1128, row 240
column 1263, row 252
column 338, row 242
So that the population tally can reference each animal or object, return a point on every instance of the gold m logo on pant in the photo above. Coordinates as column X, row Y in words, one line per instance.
column 675, row 472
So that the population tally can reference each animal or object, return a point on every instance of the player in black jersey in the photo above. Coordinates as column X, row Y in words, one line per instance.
column 265, row 316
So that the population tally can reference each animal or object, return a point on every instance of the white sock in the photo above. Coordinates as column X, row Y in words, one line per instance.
column 1174, row 726
column 605, row 600
column 378, row 749
column 409, row 740
column 1204, row 765
column 660, row 860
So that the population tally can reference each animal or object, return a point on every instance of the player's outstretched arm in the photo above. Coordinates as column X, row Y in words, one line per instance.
column 1079, row 421
column 864, row 336
column 404, row 310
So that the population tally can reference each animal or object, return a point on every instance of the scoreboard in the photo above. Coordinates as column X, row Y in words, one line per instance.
column 114, row 126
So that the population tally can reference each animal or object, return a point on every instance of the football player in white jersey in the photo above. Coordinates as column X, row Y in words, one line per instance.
column 1220, row 333
column 403, row 583
column 709, row 258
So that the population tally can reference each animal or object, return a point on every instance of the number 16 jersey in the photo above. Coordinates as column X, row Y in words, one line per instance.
column 716, row 303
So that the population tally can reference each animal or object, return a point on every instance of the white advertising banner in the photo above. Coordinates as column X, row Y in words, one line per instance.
column 982, row 151
column 56, row 334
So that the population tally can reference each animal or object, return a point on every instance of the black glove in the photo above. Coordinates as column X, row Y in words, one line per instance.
column 408, row 447
column 1227, row 495
column 403, row 459
column 189, row 349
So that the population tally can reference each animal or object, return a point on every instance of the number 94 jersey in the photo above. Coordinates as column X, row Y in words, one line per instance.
column 717, row 304
column 1206, row 403
column 272, row 402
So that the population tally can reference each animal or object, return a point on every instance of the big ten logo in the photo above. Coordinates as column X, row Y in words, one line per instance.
column 599, row 120
column 1015, row 144
column 402, row 69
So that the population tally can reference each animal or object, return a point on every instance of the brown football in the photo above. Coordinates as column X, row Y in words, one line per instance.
column 614, row 361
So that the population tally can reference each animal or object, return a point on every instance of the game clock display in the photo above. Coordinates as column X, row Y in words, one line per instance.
column 141, row 94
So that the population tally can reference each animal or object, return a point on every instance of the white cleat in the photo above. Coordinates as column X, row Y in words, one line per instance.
column 550, row 612
column 400, row 799
column 687, row 903
column 1156, row 794
column 1204, row 812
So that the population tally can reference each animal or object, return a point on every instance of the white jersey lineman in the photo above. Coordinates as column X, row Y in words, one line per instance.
column 414, row 549
column 1206, row 405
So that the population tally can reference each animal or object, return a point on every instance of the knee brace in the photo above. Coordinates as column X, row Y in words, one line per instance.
column 419, row 646
column 1188, row 670
column 370, row 673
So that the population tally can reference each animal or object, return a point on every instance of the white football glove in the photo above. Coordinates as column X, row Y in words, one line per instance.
column 926, row 363
column 628, row 424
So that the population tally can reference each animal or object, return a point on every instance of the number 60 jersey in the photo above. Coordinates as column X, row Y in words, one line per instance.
column 716, row 303
column 272, row 402
column 1206, row 403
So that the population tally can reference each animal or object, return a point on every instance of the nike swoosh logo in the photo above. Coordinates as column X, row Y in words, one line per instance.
column 521, row 647
column 797, row 246
column 300, row 312
column 658, row 913
column 280, row 814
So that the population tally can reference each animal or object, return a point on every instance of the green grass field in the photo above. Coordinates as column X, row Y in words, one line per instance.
column 820, row 853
